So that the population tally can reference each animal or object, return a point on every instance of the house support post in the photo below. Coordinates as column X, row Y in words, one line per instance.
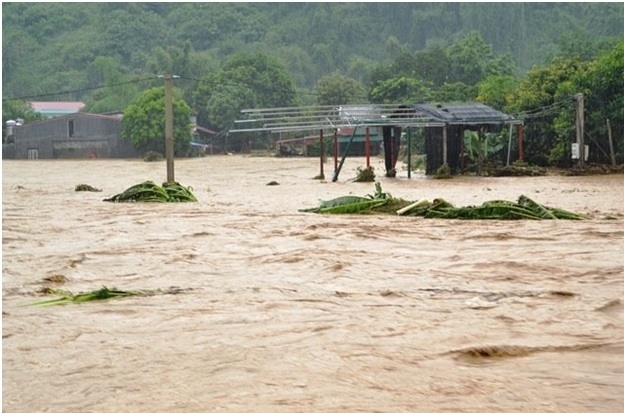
column 521, row 143
column 444, row 145
column 509, row 143
column 367, row 147
column 322, row 174
column 409, row 153
column 335, row 149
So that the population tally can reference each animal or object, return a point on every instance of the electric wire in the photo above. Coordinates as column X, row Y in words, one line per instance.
column 86, row 89
column 539, row 112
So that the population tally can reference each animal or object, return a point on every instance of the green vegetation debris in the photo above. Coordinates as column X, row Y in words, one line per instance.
column 104, row 293
column 67, row 297
column 365, row 174
column 443, row 172
column 148, row 191
column 85, row 187
column 153, row 156
column 352, row 204
column 380, row 202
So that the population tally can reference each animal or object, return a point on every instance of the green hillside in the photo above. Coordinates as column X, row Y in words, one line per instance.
column 53, row 47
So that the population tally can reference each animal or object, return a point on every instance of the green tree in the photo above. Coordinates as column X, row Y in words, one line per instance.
column 339, row 90
column 495, row 91
column 143, row 123
column 603, row 86
column 468, row 59
column 455, row 92
column 226, row 102
column 545, row 99
column 118, row 93
column 265, row 75
column 401, row 90
column 259, row 78
column 432, row 64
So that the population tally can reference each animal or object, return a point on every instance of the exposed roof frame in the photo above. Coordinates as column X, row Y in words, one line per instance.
column 310, row 118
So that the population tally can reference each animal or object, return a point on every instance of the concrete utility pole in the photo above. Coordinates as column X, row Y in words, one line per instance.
column 580, row 126
column 169, row 126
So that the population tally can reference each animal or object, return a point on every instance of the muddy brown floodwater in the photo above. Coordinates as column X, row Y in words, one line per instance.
column 278, row 310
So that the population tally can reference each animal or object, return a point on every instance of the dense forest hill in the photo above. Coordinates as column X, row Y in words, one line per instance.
column 49, row 48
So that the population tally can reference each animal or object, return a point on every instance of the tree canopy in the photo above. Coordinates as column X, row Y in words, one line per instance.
column 143, row 123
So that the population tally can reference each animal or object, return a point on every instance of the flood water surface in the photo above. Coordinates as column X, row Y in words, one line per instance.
column 259, row 307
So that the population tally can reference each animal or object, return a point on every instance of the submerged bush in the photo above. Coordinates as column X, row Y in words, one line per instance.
column 153, row 156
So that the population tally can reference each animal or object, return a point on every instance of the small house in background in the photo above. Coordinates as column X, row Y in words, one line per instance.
column 357, row 137
column 53, row 109
column 351, row 139
column 205, row 141
column 78, row 135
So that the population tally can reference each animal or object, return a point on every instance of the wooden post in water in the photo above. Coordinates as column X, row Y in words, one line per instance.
column 610, row 143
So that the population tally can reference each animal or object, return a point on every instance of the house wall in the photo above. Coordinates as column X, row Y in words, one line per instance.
column 8, row 151
column 72, row 136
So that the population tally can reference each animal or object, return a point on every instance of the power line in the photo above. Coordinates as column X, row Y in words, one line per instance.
column 87, row 89
column 238, row 85
column 544, row 111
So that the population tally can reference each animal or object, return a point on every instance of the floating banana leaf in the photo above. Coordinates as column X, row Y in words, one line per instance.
column 538, row 209
column 354, row 207
column 346, row 205
column 563, row 214
column 178, row 193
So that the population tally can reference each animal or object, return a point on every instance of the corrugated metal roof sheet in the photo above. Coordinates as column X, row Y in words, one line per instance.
column 464, row 113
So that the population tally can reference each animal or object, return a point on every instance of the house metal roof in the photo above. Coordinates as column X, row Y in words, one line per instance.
column 349, row 116
column 465, row 113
